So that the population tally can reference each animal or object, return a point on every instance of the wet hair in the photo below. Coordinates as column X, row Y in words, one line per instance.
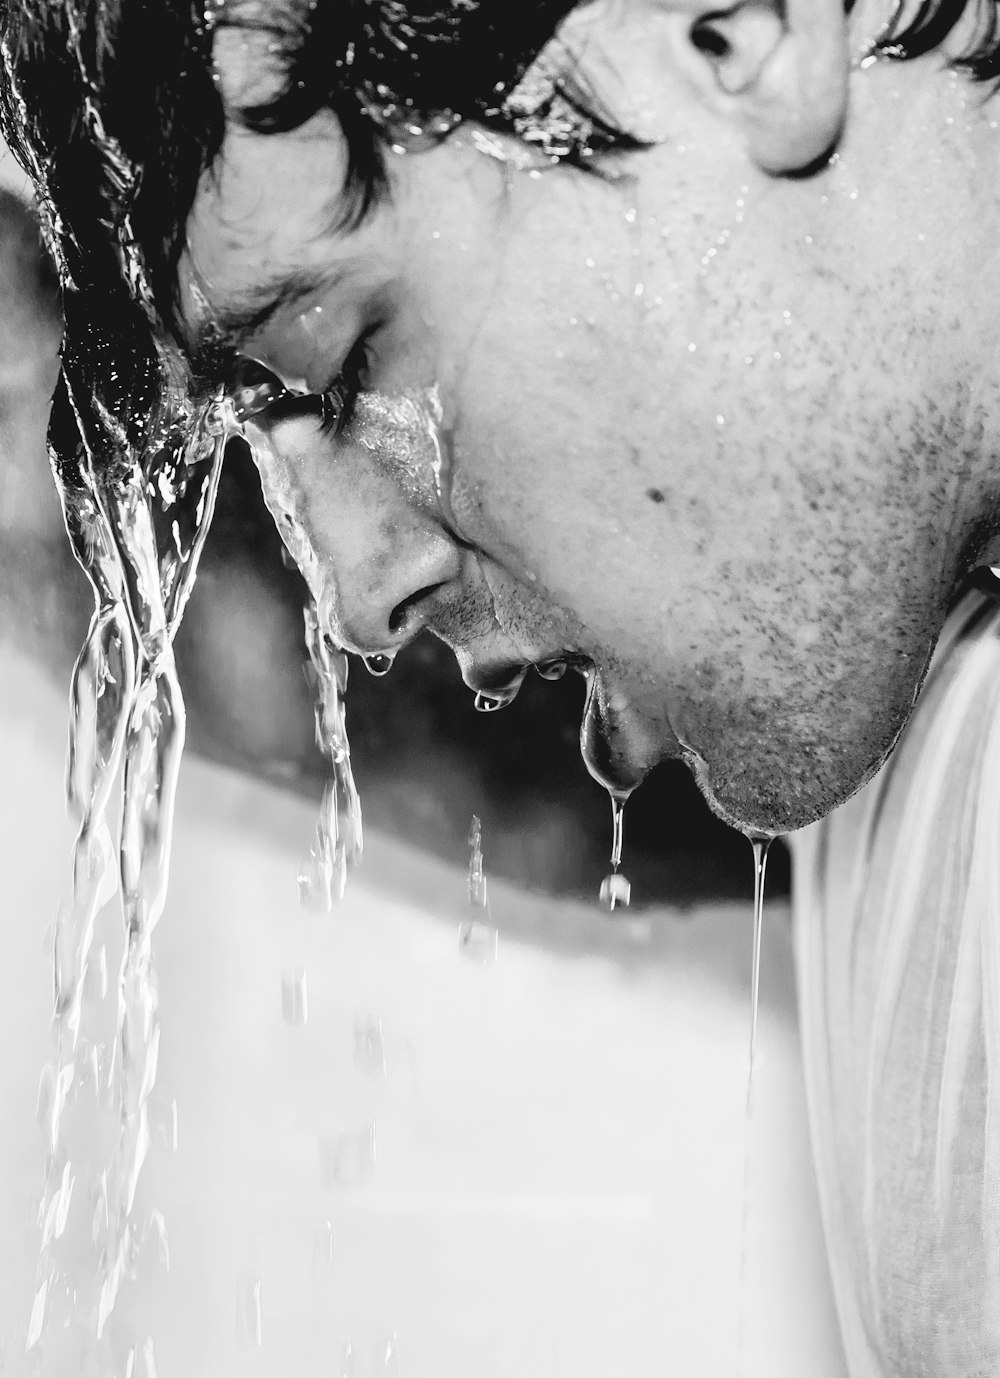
column 111, row 107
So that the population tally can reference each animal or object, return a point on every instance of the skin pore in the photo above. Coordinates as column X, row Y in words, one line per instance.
column 725, row 434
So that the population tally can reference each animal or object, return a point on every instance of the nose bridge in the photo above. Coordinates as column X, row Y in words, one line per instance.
column 387, row 560
column 387, row 572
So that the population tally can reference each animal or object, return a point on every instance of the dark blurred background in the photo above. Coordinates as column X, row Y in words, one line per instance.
column 424, row 760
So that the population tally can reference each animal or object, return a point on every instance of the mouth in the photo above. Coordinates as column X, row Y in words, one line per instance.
column 619, row 742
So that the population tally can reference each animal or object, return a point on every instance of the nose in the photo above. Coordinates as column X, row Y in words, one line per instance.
column 386, row 565
column 381, row 592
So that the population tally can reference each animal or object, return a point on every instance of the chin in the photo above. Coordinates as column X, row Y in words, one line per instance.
column 773, row 789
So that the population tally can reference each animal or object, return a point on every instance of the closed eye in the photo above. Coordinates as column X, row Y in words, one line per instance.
column 258, row 394
column 337, row 401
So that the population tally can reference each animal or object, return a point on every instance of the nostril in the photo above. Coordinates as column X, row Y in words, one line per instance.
column 406, row 616
column 708, row 40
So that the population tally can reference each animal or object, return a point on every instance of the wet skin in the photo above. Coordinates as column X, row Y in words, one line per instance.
column 725, row 434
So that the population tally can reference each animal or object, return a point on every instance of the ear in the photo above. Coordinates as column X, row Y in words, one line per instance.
column 778, row 69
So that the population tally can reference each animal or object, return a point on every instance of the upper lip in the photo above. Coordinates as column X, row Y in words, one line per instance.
column 492, row 676
column 620, row 743
column 495, row 675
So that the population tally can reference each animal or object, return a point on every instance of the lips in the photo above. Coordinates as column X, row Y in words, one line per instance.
column 618, row 743
column 496, row 679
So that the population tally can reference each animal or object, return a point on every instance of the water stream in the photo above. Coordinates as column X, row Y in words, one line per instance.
column 760, row 844
column 615, row 888
column 126, row 725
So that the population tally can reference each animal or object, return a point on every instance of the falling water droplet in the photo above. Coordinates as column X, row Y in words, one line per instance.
column 478, row 937
column 478, row 942
column 476, row 879
column 378, row 665
column 615, row 889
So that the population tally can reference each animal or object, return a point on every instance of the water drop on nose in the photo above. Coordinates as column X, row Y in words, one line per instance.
column 488, row 703
column 551, row 669
column 378, row 665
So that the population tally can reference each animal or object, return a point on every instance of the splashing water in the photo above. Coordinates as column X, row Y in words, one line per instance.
column 139, row 543
column 760, row 843
column 126, row 715
column 339, row 840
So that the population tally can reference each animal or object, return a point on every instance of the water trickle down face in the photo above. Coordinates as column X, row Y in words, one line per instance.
column 126, row 709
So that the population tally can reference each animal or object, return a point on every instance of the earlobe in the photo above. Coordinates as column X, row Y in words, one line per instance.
column 780, row 72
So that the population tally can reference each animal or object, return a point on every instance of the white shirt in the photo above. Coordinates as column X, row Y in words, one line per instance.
column 897, row 912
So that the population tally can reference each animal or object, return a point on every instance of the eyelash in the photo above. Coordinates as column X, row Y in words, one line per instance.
column 337, row 402
column 560, row 112
column 563, row 128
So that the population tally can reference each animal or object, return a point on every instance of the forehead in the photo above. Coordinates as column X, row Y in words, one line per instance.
column 273, row 197
column 266, row 227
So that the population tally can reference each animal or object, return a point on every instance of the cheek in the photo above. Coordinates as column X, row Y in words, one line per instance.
column 587, row 462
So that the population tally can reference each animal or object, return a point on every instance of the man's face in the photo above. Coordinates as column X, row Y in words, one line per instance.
column 678, row 403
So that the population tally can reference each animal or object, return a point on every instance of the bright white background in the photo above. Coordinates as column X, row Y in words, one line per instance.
column 557, row 1189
